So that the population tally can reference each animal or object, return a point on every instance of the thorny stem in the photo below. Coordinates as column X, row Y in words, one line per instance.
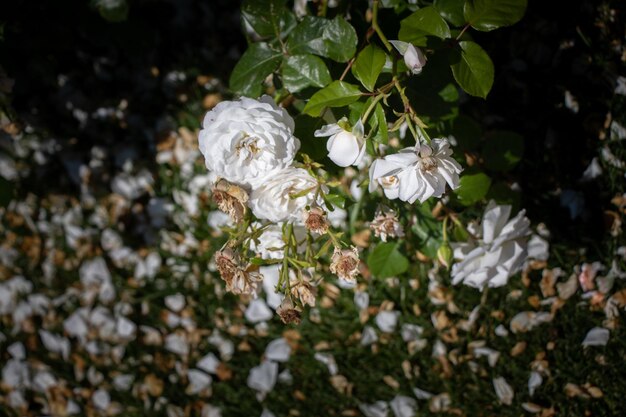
column 375, row 26
column 284, row 273
column 410, row 114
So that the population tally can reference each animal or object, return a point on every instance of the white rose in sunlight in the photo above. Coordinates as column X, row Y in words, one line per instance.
column 284, row 196
column 498, row 252
column 246, row 140
column 416, row 173
column 345, row 146
column 414, row 58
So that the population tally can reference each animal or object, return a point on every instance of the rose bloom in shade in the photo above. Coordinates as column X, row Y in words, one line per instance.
column 345, row 147
column 414, row 58
column 497, row 253
column 273, row 200
column 416, row 173
column 246, row 140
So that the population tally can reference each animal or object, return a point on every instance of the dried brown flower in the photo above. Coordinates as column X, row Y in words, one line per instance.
column 231, row 199
column 386, row 224
column 315, row 220
column 238, row 279
column 345, row 263
column 288, row 312
column 302, row 289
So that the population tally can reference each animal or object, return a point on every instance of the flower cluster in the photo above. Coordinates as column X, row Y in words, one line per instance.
column 249, row 146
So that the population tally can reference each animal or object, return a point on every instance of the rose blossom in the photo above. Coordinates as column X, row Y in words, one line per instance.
column 231, row 199
column 416, row 173
column 246, row 140
column 270, row 243
column 386, row 224
column 498, row 252
column 414, row 58
column 273, row 200
column 345, row 146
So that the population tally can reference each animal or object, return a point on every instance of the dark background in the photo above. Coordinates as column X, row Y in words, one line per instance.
column 65, row 56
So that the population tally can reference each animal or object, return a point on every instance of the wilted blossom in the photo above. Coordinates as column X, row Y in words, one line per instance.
column 239, row 279
column 414, row 58
column 302, row 288
column 231, row 199
column 386, row 224
column 345, row 263
column 345, row 146
column 416, row 173
column 288, row 312
column 497, row 253
column 247, row 140
column 315, row 220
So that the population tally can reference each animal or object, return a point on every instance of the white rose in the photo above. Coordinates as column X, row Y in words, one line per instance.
column 414, row 58
column 416, row 173
column 246, row 140
column 498, row 254
column 272, row 199
column 270, row 244
column 345, row 147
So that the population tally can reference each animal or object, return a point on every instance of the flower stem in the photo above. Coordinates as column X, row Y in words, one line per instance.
column 375, row 26
column 371, row 107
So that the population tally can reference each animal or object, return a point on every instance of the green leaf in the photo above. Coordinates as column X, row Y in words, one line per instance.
column 503, row 150
column 255, row 65
column 336, row 94
column 335, row 39
column 451, row 10
column 334, row 200
column 268, row 18
column 487, row 15
column 382, row 135
column 368, row 66
column 386, row 261
column 117, row 13
column 472, row 69
column 302, row 71
column 473, row 188
column 424, row 22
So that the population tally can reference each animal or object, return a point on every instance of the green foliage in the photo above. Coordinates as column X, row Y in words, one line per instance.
column 472, row 69
column 259, row 61
column 335, row 39
column 473, row 188
column 337, row 94
column 368, row 66
column 451, row 10
column 268, row 18
column 387, row 261
column 487, row 15
column 424, row 22
column 302, row 71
